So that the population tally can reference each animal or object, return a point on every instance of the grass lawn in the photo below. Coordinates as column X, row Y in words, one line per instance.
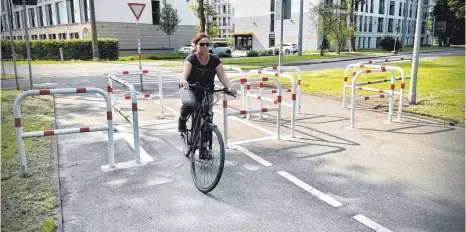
column 274, row 59
column 9, row 76
column 440, row 87
column 28, row 204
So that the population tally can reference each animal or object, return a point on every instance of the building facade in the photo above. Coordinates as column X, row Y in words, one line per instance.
column 226, row 15
column 70, row 19
column 256, row 27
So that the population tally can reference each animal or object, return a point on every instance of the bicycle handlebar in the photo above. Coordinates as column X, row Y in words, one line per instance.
column 198, row 86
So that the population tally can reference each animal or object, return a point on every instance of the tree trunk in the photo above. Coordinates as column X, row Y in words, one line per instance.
column 201, row 14
column 322, row 47
column 169, row 45
column 352, row 17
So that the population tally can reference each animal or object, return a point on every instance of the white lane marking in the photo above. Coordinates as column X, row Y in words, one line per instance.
column 310, row 189
column 250, row 140
column 247, row 123
column 252, row 156
column 371, row 224
column 145, row 157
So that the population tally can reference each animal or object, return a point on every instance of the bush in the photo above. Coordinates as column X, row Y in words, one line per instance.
column 224, row 54
column 73, row 49
column 264, row 53
column 252, row 53
column 388, row 43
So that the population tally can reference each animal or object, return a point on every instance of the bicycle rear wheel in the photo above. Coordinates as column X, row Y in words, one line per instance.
column 207, row 165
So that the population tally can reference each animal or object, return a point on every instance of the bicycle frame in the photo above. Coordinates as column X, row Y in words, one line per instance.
column 201, row 115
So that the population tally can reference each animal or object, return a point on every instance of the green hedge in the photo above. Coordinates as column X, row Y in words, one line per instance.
column 73, row 49
column 161, row 56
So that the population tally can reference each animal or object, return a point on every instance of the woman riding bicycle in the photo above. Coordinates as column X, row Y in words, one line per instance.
column 200, row 66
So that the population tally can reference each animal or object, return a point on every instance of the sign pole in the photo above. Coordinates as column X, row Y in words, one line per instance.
column 28, row 48
column 139, row 55
column 280, row 58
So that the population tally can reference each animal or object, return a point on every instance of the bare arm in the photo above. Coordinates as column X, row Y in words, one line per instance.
column 222, row 76
column 184, row 76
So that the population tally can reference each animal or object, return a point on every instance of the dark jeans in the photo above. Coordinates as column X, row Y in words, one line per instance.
column 190, row 101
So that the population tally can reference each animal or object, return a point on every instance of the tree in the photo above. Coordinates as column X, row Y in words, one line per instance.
column 340, row 33
column 169, row 20
column 351, row 8
column 207, row 15
column 327, row 18
column 451, row 13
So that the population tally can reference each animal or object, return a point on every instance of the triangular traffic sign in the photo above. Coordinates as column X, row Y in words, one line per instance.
column 137, row 9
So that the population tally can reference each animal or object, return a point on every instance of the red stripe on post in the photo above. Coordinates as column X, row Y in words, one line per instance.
column 264, row 109
column 274, row 67
column 81, row 90
column 109, row 115
column 125, row 72
column 109, row 89
column 288, row 90
column 277, row 74
column 402, row 85
column 242, row 112
column 380, row 90
column 248, row 86
column 127, row 97
column 84, row 129
column 366, row 98
column 44, row 91
column 17, row 122
column 274, row 91
column 259, row 72
column 146, row 95
column 354, row 73
column 402, row 58
column 293, row 97
column 392, row 86
column 360, row 88
column 145, row 71
column 275, row 102
column 346, row 79
column 225, row 104
column 370, row 61
column 259, row 97
column 140, row 56
column 299, row 82
column 261, row 85
column 265, row 79
column 135, row 106
column 361, row 65
column 368, row 71
column 382, row 96
column 279, row 98
column 383, row 69
column 49, row 132
column 243, row 80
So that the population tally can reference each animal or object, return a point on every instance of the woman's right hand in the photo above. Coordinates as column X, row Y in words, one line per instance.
column 184, row 84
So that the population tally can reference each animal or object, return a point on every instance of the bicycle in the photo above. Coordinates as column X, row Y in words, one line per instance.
column 199, row 136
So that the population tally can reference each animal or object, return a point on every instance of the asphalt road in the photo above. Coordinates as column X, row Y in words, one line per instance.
column 406, row 176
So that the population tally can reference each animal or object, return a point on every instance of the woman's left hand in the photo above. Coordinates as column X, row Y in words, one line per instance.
column 233, row 91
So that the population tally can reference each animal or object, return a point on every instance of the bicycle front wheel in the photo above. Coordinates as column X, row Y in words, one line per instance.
column 208, row 161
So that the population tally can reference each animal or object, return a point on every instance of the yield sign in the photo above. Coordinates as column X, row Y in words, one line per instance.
column 137, row 9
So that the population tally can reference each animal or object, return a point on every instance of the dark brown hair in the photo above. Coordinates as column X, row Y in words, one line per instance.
column 197, row 38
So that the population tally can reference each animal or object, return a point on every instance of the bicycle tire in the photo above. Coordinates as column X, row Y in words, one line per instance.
column 216, row 180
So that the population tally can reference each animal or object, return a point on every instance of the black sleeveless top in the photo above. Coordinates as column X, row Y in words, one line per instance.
column 204, row 74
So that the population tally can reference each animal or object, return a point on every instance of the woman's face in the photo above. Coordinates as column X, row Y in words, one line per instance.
column 203, row 45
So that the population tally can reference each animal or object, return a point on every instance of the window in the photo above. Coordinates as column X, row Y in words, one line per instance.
column 85, row 11
column 359, row 42
column 372, row 6
column 426, row 9
column 409, row 26
column 328, row 2
column 400, row 9
column 4, row 24
column 392, row 8
column 224, row 21
column 224, row 9
column 228, row 22
column 70, row 10
column 390, row 25
column 19, row 37
column 366, row 6
column 380, row 25
column 49, row 15
column 368, row 42
column 381, row 6
column 52, row 36
column 410, row 10
column 61, row 35
column 155, row 12
column 14, row 37
column 370, row 24
column 43, row 36
column 377, row 42
column 404, row 9
column 398, row 27
column 365, row 23
column 272, row 5
column 18, row 21
column 272, row 22
column 61, row 13
column 363, row 42
column 32, row 18
column 423, row 27
column 34, row 37
column 271, row 40
column 40, row 16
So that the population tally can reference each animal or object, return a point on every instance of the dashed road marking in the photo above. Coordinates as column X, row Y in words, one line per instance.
column 328, row 199
column 252, row 156
column 371, row 224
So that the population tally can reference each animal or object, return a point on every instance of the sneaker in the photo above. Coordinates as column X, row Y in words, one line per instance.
column 181, row 125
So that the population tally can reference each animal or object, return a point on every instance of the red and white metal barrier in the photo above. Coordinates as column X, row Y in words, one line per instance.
column 300, row 79
column 244, row 112
column 19, row 129
column 361, row 65
column 240, row 71
column 385, row 93
column 135, row 121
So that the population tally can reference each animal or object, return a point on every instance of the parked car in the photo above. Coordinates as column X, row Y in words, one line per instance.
column 218, row 48
column 186, row 49
column 287, row 48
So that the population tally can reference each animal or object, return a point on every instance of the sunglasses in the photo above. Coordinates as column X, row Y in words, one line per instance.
column 204, row 44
